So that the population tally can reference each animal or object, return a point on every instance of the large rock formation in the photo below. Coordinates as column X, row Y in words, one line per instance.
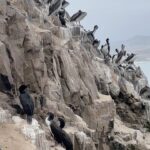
column 60, row 64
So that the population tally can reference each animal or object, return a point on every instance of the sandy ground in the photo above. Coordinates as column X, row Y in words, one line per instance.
column 11, row 139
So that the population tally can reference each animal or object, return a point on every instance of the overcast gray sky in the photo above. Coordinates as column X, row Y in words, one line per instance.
column 117, row 19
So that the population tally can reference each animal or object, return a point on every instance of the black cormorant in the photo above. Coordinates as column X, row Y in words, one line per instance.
column 105, row 50
column 59, row 135
column 26, row 102
column 62, row 17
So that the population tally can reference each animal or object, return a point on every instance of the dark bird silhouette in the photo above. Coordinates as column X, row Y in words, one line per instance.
column 121, row 54
column 77, row 17
column 62, row 17
column 105, row 50
column 26, row 102
column 108, row 44
column 130, row 58
column 90, row 34
column 59, row 135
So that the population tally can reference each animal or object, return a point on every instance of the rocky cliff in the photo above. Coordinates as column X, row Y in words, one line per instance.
column 103, row 108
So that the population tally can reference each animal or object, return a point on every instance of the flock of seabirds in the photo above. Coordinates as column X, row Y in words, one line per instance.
column 123, row 61
column 56, row 124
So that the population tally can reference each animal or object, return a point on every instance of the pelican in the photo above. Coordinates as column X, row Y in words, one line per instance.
column 77, row 17
column 131, row 58
column 55, row 7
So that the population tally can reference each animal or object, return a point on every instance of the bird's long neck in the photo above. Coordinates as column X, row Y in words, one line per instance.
column 94, row 30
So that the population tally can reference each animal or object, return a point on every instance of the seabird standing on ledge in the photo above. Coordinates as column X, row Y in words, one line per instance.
column 55, row 7
column 90, row 34
column 105, row 49
column 62, row 17
column 77, row 17
column 121, row 54
column 26, row 102
column 59, row 135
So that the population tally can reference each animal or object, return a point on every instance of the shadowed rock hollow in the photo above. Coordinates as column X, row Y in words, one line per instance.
column 61, row 64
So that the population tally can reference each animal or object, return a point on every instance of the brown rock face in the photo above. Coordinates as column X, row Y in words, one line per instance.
column 60, row 64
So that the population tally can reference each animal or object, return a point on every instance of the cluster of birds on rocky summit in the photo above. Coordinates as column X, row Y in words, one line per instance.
column 121, row 60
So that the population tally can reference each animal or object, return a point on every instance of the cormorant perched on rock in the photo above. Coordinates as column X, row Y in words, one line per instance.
column 105, row 49
column 59, row 135
column 115, row 56
column 26, row 102
column 62, row 17
column 77, row 17
column 108, row 44
column 55, row 7
column 90, row 34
